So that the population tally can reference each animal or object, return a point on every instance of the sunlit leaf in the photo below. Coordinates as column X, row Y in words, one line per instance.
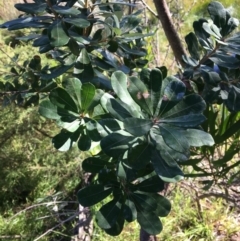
column 49, row 110
column 198, row 138
column 65, row 140
column 58, row 36
column 119, row 84
column 87, row 95
column 140, row 94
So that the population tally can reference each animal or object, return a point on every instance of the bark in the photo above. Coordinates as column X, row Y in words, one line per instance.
column 173, row 38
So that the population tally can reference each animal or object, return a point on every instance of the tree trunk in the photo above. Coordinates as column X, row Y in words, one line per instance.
column 173, row 38
column 144, row 236
column 85, row 225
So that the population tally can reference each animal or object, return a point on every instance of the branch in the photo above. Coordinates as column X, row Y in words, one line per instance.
column 174, row 40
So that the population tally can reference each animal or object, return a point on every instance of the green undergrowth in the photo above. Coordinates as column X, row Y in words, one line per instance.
column 34, row 176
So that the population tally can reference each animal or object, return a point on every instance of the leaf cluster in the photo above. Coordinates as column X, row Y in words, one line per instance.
column 88, row 43
column 143, row 132
column 213, row 65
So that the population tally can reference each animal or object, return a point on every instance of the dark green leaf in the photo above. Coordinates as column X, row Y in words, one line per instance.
column 233, row 101
column 73, row 47
column 190, row 61
column 125, row 172
column 84, row 142
column 143, row 202
column 113, row 46
column 93, row 194
column 115, row 144
column 133, row 51
column 83, row 68
column 190, row 120
column 174, row 139
column 130, row 212
column 98, row 130
column 203, row 36
column 96, row 100
column 94, row 164
column 165, row 172
column 174, row 90
column 191, row 104
column 155, row 84
column 117, row 228
column 164, row 71
column 145, row 75
column 56, row 72
column 110, row 125
column 129, row 23
column 211, row 78
column 62, row 99
column 163, row 206
column 192, row 44
column 169, row 155
column 153, row 184
column 43, row 40
column 65, row 10
column 32, row 8
column 139, row 156
column 78, row 22
column 64, row 140
column 149, row 222
column 137, row 127
column 224, row 60
column 79, row 38
column 220, row 16
column 108, row 214
column 117, row 109
column 73, row 87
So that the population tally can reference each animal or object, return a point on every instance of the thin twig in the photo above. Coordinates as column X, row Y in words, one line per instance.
column 218, row 195
column 58, row 225
column 38, row 205
column 149, row 9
